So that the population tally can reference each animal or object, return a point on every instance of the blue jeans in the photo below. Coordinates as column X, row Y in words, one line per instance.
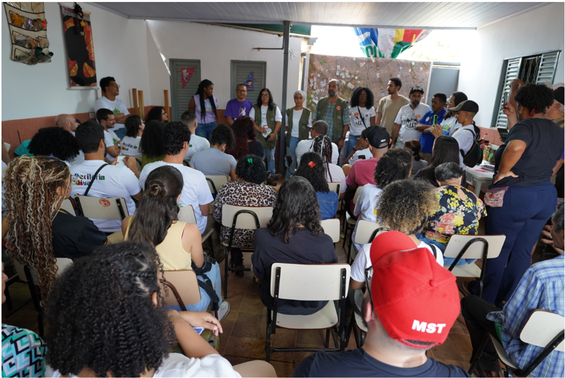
column 447, row 261
column 291, row 152
column 215, row 278
column 351, row 142
column 270, row 155
column 205, row 129
column 524, row 212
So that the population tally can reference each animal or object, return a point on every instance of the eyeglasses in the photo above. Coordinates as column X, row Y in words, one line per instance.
column 265, row 95
column 114, row 85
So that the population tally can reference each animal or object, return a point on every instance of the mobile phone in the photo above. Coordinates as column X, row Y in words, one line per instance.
column 121, row 158
column 505, row 98
column 435, row 120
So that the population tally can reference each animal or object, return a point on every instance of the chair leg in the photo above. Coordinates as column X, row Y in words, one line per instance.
column 477, row 355
column 226, row 274
column 40, row 323
column 268, row 338
column 327, row 343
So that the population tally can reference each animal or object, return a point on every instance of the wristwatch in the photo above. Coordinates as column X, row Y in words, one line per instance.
column 342, row 137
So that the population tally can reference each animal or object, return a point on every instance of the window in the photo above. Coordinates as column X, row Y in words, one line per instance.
column 185, row 77
column 538, row 69
column 242, row 70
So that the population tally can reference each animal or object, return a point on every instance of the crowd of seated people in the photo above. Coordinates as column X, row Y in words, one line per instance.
column 118, row 264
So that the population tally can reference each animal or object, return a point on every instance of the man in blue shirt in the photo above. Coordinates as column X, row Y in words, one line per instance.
column 541, row 287
column 425, row 125
column 239, row 106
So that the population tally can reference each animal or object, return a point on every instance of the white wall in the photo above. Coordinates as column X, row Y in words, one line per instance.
column 215, row 47
column 42, row 90
column 537, row 31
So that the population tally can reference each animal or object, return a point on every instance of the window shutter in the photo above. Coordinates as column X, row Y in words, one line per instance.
column 180, row 97
column 512, row 70
column 547, row 67
column 240, row 72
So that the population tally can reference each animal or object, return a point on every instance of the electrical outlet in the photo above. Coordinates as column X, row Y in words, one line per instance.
column 91, row 115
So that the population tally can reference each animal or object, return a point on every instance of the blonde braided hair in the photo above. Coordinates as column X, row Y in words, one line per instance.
column 32, row 201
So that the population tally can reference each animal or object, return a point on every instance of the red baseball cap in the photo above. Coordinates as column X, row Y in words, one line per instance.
column 415, row 298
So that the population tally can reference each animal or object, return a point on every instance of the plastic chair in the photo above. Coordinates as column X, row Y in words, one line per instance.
column 114, row 208
column 331, row 228
column 314, row 282
column 365, row 231
column 186, row 214
column 350, row 221
column 69, row 206
column 335, row 187
column 215, row 182
column 482, row 247
column 183, row 286
column 241, row 217
column 543, row 329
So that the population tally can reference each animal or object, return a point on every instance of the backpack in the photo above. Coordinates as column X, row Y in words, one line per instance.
column 207, row 284
column 475, row 154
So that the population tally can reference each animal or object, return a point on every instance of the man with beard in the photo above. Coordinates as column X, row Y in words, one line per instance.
column 388, row 107
column 334, row 110
column 408, row 117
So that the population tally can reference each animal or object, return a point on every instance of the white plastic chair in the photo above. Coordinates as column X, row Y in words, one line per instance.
column 365, row 231
column 335, row 187
column 69, row 206
column 114, row 208
column 331, row 228
column 215, row 182
column 183, row 286
column 186, row 214
column 349, row 221
column 304, row 282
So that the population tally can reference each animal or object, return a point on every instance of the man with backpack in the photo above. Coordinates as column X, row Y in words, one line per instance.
column 468, row 134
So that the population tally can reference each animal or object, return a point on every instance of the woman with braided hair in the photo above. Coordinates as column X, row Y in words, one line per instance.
column 322, row 145
column 39, row 230
column 204, row 103
column 312, row 169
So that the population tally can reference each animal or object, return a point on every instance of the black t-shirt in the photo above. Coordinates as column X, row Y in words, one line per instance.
column 256, row 148
column 75, row 237
column 303, row 248
column 544, row 146
column 358, row 363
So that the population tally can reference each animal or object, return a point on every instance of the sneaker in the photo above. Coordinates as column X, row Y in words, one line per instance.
column 224, row 310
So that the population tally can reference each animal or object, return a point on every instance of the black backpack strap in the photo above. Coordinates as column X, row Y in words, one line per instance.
column 209, row 289
column 434, row 250
column 93, row 178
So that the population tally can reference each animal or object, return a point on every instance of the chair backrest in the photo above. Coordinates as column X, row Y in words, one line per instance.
column 102, row 208
column 62, row 264
column 186, row 214
column 365, row 231
column 331, row 228
column 215, row 182
column 357, row 193
column 245, row 219
column 542, row 327
column 475, row 249
column 184, row 284
column 335, row 187
column 311, row 282
column 69, row 206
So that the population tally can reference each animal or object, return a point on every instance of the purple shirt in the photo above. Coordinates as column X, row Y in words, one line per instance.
column 235, row 109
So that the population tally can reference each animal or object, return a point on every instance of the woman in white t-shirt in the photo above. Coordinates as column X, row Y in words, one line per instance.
column 107, row 317
column 299, row 123
column 134, row 131
column 267, row 119
column 361, row 115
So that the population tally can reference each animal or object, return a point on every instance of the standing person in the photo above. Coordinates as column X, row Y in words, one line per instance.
column 389, row 106
column 110, row 91
column 430, row 120
column 157, row 113
column 449, row 125
column 408, row 117
column 204, row 103
column 294, row 235
column 299, row 123
column 526, row 196
column 134, row 131
column 197, row 143
column 152, row 145
column 413, row 146
column 334, row 110
column 246, row 139
column 239, row 106
column 465, row 135
column 361, row 115
column 267, row 117
column 215, row 160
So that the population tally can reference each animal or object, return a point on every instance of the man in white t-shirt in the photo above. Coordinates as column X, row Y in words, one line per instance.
column 389, row 106
column 466, row 134
column 197, row 143
column 107, row 120
column 70, row 124
column 195, row 191
column 318, row 128
column 110, row 90
column 408, row 117
column 116, row 180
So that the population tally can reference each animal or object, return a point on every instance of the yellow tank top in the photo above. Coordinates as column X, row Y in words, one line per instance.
column 170, row 251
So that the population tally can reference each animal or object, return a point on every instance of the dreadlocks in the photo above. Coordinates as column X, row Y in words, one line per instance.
column 322, row 145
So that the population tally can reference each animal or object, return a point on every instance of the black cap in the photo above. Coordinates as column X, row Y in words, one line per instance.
column 378, row 137
column 466, row 106
column 417, row 88
column 558, row 94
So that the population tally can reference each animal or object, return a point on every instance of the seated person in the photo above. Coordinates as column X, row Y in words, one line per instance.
column 323, row 146
column 319, row 129
column 106, row 119
column 134, row 131
column 214, row 160
column 39, row 231
column 152, row 144
column 22, row 349
column 410, row 307
column 541, row 287
column 413, row 146
column 404, row 206
column 360, row 150
column 56, row 142
column 197, row 143
column 106, row 318
column 312, row 169
column 247, row 190
column 445, row 150
column 459, row 211
column 116, row 180
column 246, row 142
column 294, row 235
column 178, row 244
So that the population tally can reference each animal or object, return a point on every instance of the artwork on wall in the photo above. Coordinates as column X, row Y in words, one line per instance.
column 28, row 32
column 373, row 73
column 186, row 74
column 77, row 32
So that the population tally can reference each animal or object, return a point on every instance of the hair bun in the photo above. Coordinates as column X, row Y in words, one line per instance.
column 156, row 188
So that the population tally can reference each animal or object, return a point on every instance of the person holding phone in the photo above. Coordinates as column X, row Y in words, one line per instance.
column 428, row 122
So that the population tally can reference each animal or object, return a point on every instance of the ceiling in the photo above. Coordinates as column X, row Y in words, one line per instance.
column 402, row 15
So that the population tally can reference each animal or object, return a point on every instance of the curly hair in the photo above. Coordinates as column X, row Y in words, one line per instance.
column 394, row 165
column 152, row 143
column 158, row 207
column 132, row 125
column 296, row 205
column 155, row 114
column 222, row 134
column 54, row 141
column 101, row 315
column 251, row 169
column 535, row 97
column 271, row 101
column 32, row 201
column 405, row 205
column 200, row 92
column 174, row 136
column 312, row 169
column 243, row 132
column 355, row 97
